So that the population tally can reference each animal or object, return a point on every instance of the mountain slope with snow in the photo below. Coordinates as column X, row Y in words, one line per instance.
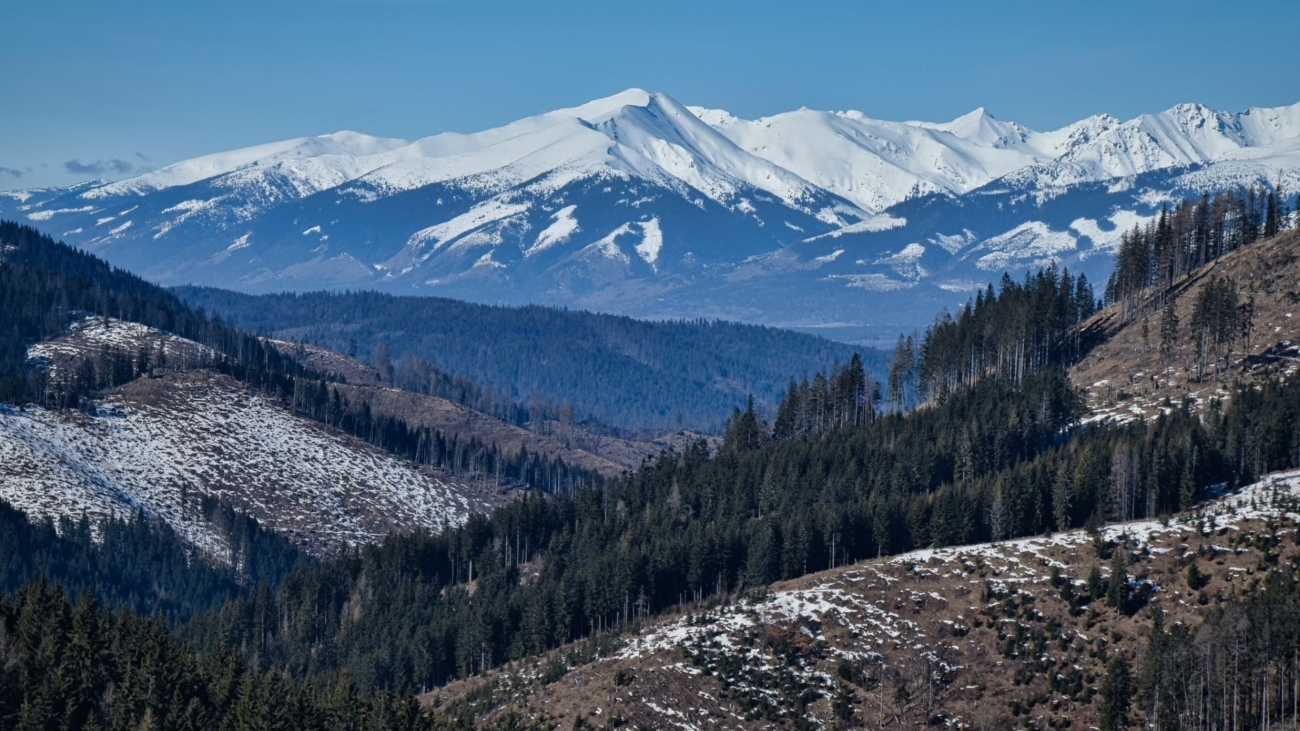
column 638, row 205
column 154, row 446
column 979, row 636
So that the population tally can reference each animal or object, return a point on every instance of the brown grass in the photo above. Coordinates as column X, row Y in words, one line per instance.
column 1127, row 369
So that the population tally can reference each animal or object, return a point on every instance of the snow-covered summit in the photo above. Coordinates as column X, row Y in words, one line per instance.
column 342, row 146
column 872, row 163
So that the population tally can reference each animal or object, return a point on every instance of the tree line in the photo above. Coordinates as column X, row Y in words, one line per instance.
column 1021, row 329
column 78, row 667
column 1238, row 670
column 843, row 396
column 139, row 563
column 1193, row 233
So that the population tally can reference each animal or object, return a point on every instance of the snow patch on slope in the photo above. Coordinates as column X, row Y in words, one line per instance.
column 652, row 242
column 563, row 227
column 206, row 435
column 1032, row 243
column 418, row 246
column 1121, row 222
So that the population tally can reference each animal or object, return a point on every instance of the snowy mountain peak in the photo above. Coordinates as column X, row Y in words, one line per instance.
column 665, row 137
column 713, row 117
column 634, row 203
column 598, row 108
column 972, row 120
column 981, row 127
column 339, row 144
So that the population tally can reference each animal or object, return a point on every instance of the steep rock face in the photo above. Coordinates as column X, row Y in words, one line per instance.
column 638, row 205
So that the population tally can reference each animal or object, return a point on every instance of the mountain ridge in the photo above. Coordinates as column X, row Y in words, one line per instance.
column 635, row 204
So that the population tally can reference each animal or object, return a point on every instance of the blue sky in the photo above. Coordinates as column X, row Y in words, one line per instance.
column 94, row 88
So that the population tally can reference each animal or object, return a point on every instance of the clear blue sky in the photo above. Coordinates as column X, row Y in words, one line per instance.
column 93, row 87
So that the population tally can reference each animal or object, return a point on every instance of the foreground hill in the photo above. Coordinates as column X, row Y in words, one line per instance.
column 122, row 400
column 635, row 204
column 1011, row 634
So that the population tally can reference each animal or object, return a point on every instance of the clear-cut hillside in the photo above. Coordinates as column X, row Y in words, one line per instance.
column 636, row 204
column 1127, row 376
column 160, row 445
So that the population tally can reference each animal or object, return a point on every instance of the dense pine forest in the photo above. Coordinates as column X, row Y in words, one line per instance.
column 975, row 436
column 1021, row 329
column 617, row 370
column 140, row 564
column 76, row 666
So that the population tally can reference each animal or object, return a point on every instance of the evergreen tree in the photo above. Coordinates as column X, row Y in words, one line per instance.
column 1117, row 587
column 1168, row 334
column 1116, row 695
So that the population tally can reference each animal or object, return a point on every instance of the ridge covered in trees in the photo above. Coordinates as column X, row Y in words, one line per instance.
column 1179, row 253
column 617, row 370
column 140, row 564
column 1021, row 329
column 70, row 667
column 1190, row 235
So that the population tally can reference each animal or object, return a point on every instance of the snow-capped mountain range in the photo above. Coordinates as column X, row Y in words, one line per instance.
column 639, row 205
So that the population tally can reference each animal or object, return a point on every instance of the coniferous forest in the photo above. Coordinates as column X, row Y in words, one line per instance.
column 974, row 435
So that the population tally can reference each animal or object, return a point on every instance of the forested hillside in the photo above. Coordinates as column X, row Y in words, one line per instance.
column 1190, row 235
column 66, row 666
column 1187, row 622
column 617, row 370
column 139, row 564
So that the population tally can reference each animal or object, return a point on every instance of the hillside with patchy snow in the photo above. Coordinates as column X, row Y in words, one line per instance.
column 987, row 636
column 1129, row 376
column 636, row 204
